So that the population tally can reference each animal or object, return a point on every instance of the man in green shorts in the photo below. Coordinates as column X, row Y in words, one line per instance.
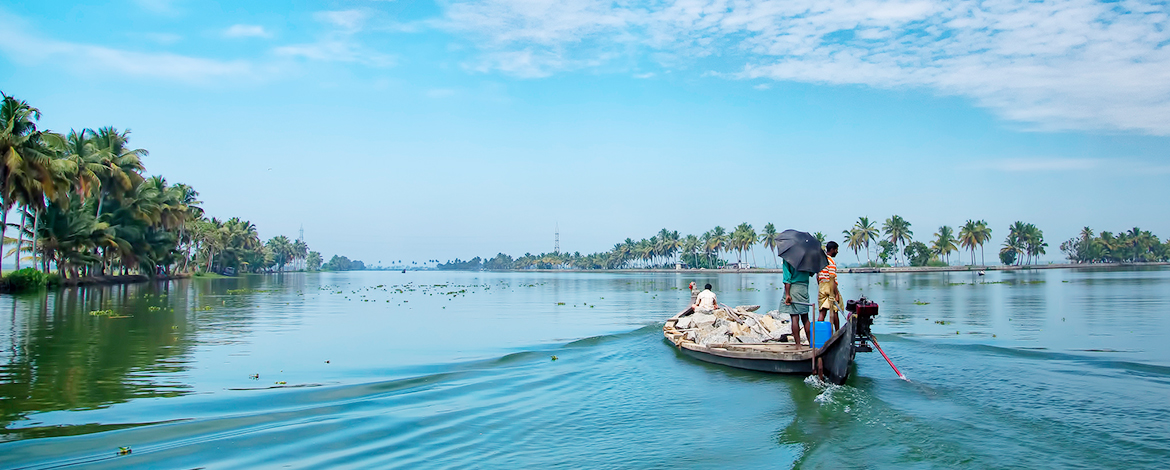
column 796, row 290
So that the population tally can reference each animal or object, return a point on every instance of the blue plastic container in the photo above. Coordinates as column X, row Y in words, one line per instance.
column 823, row 330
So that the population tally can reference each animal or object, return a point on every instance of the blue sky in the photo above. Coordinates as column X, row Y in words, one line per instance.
column 420, row 130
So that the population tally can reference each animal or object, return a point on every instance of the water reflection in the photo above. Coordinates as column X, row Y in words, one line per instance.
column 60, row 357
column 88, row 348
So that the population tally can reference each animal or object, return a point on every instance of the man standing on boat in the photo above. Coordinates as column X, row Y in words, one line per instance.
column 828, row 296
column 796, row 299
column 705, row 301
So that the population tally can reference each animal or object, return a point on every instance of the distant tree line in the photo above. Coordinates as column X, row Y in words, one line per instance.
column 891, row 241
column 1130, row 246
column 341, row 263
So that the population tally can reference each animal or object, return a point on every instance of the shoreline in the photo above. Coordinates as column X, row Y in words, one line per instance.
column 140, row 278
column 118, row 279
column 858, row 270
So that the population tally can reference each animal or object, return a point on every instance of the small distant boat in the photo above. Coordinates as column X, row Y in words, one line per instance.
column 982, row 272
column 403, row 271
column 836, row 354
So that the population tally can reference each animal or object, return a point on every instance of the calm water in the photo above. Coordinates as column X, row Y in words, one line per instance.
column 1056, row 368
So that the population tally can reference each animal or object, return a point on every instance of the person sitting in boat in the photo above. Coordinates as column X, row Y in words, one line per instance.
column 705, row 302
column 796, row 299
column 828, row 295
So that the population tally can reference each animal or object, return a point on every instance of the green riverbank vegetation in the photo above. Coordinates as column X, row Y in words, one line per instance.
column 1128, row 246
column 87, row 208
column 890, row 242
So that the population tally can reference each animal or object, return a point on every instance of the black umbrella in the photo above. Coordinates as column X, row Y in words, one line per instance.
column 801, row 250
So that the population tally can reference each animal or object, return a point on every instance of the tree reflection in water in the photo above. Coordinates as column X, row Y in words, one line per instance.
column 91, row 347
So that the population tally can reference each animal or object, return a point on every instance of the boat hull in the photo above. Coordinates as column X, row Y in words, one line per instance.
column 836, row 355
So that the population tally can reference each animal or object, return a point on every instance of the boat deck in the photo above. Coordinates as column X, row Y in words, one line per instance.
column 837, row 352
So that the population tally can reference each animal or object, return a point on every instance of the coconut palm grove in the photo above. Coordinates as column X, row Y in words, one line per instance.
column 86, row 208
column 891, row 243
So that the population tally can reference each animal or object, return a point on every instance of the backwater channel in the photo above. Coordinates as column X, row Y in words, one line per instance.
column 1060, row 368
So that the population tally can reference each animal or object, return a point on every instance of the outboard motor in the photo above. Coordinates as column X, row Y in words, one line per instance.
column 863, row 311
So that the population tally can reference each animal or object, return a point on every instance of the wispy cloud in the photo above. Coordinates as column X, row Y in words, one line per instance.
column 339, row 44
column 352, row 20
column 246, row 31
column 1072, row 64
column 27, row 48
column 337, row 50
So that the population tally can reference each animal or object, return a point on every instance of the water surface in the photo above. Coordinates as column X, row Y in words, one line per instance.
column 1051, row 368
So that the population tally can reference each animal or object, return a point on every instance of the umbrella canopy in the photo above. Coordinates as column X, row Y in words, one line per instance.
column 801, row 250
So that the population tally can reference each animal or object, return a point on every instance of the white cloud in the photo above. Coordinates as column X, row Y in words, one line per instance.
column 246, row 31
column 346, row 19
column 644, row 75
column 337, row 50
column 762, row 86
column 339, row 44
column 1065, row 64
column 89, row 59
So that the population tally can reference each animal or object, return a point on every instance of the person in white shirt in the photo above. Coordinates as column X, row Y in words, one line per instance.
column 706, row 300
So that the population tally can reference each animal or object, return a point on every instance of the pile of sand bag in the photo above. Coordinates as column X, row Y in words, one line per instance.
column 740, row 325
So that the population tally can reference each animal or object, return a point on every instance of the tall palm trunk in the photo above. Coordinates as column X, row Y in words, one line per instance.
column 210, row 258
column 35, row 239
column 3, row 228
column 20, row 236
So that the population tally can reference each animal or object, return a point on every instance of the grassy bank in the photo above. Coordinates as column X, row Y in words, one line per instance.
column 32, row 280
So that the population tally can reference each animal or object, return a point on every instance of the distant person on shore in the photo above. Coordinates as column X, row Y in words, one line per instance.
column 828, row 296
column 705, row 302
column 796, row 292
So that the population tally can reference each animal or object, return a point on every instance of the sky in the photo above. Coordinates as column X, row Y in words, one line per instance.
column 416, row 130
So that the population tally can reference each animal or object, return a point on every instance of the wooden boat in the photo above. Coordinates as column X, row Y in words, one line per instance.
column 836, row 355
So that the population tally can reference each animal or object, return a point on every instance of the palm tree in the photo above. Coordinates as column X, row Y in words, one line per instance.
column 282, row 251
column 80, row 148
column 300, row 250
column 1010, row 251
column 1033, row 239
column 717, row 242
column 121, row 167
column 742, row 239
column 768, row 238
column 984, row 234
column 23, row 150
column 854, row 240
column 690, row 245
column 944, row 242
column 969, row 237
column 1016, row 239
column 869, row 233
column 43, row 173
column 898, row 231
